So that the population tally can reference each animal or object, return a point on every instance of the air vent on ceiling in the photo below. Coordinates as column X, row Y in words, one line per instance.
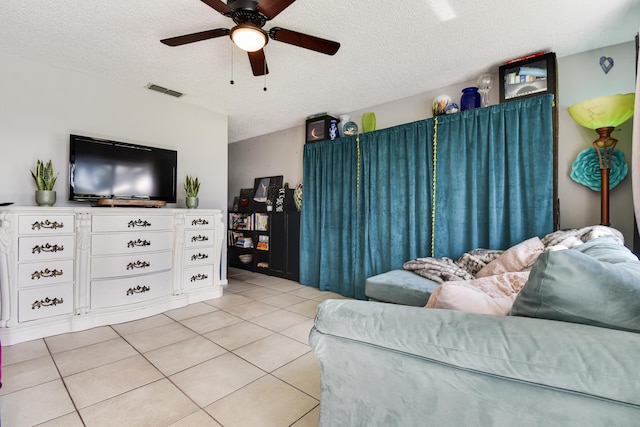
column 164, row 90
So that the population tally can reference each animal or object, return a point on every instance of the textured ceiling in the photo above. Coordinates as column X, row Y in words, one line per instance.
column 390, row 49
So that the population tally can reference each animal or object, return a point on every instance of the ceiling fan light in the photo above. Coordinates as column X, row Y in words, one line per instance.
column 248, row 38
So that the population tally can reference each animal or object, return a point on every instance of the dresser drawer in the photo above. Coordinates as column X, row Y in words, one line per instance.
column 45, row 224
column 104, row 223
column 198, row 256
column 45, row 247
column 198, row 238
column 198, row 221
column 129, row 265
column 45, row 273
column 114, row 293
column 198, row 277
column 123, row 243
column 47, row 301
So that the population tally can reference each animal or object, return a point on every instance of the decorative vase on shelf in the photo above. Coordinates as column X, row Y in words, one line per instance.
column 333, row 130
column 369, row 122
column 45, row 197
column 485, row 82
column 344, row 119
column 470, row 98
column 191, row 202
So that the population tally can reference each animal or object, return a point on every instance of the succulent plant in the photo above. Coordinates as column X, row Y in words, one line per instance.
column 191, row 186
column 44, row 175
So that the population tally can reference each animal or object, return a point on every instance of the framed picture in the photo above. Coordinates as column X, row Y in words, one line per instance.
column 264, row 189
column 529, row 76
column 318, row 128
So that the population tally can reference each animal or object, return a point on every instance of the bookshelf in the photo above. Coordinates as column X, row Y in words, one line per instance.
column 265, row 242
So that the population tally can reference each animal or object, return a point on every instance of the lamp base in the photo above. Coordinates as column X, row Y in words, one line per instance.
column 604, row 196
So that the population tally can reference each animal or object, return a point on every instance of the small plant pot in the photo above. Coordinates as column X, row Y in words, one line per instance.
column 191, row 202
column 269, row 208
column 45, row 197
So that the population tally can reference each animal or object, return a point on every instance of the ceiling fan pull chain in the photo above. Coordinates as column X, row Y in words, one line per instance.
column 232, row 82
column 265, row 76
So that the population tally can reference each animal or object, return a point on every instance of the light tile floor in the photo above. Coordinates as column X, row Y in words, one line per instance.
column 239, row 360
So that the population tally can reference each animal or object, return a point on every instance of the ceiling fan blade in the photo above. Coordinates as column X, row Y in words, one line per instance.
column 258, row 63
column 196, row 37
column 271, row 8
column 219, row 6
column 304, row 40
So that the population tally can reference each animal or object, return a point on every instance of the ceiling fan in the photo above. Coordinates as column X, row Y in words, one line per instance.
column 250, row 16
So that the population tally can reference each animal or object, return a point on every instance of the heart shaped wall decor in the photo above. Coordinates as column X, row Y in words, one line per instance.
column 606, row 63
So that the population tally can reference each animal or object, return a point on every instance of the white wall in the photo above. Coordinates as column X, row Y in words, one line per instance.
column 40, row 106
column 579, row 77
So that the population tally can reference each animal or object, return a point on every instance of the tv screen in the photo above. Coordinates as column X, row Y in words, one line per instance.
column 102, row 169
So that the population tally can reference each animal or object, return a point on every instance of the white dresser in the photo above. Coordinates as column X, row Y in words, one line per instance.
column 69, row 269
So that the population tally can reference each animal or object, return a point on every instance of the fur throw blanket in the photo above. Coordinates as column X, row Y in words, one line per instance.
column 467, row 266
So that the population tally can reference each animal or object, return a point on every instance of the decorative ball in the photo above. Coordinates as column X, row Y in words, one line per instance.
column 451, row 108
column 440, row 104
column 350, row 129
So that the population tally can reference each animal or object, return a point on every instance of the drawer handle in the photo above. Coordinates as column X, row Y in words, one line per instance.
column 199, row 238
column 199, row 277
column 138, row 290
column 139, row 242
column 138, row 264
column 47, row 302
column 47, row 224
column 139, row 223
column 46, row 248
column 45, row 273
column 199, row 256
column 199, row 221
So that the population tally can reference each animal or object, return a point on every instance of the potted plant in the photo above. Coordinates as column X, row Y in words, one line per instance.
column 191, row 186
column 45, row 177
column 269, row 204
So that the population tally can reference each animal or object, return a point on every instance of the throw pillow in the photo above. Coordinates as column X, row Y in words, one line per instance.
column 516, row 258
column 597, row 283
column 487, row 295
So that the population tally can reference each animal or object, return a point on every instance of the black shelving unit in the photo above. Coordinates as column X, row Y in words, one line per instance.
column 272, row 240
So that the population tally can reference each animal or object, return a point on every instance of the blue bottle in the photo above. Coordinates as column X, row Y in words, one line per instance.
column 470, row 98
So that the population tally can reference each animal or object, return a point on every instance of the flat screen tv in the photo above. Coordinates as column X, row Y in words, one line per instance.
column 103, row 169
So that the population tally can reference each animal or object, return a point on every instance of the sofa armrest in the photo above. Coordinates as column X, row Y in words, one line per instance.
column 583, row 359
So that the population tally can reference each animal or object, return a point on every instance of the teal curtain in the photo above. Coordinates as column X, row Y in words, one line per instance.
column 369, row 203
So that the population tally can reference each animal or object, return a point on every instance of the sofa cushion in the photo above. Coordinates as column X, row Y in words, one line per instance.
column 400, row 287
column 486, row 295
column 597, row 283
column 516, row 258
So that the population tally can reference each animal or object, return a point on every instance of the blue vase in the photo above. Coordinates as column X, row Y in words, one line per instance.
column 333, row 129
column 470, row 98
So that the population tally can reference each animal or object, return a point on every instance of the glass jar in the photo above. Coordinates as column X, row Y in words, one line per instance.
column 470, row 98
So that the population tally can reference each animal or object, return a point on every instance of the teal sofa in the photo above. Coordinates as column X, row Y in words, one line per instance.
column 568, row 355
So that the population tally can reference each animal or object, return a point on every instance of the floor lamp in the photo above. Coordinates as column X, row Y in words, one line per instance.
column 603, row 114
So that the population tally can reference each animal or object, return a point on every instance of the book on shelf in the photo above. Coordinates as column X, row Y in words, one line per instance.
column 261, row 221
column 244, row 242
column 240, row 221
column 263, row 243
column 232, row 237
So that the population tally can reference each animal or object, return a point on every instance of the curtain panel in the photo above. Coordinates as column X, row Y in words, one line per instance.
column 436, row 187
